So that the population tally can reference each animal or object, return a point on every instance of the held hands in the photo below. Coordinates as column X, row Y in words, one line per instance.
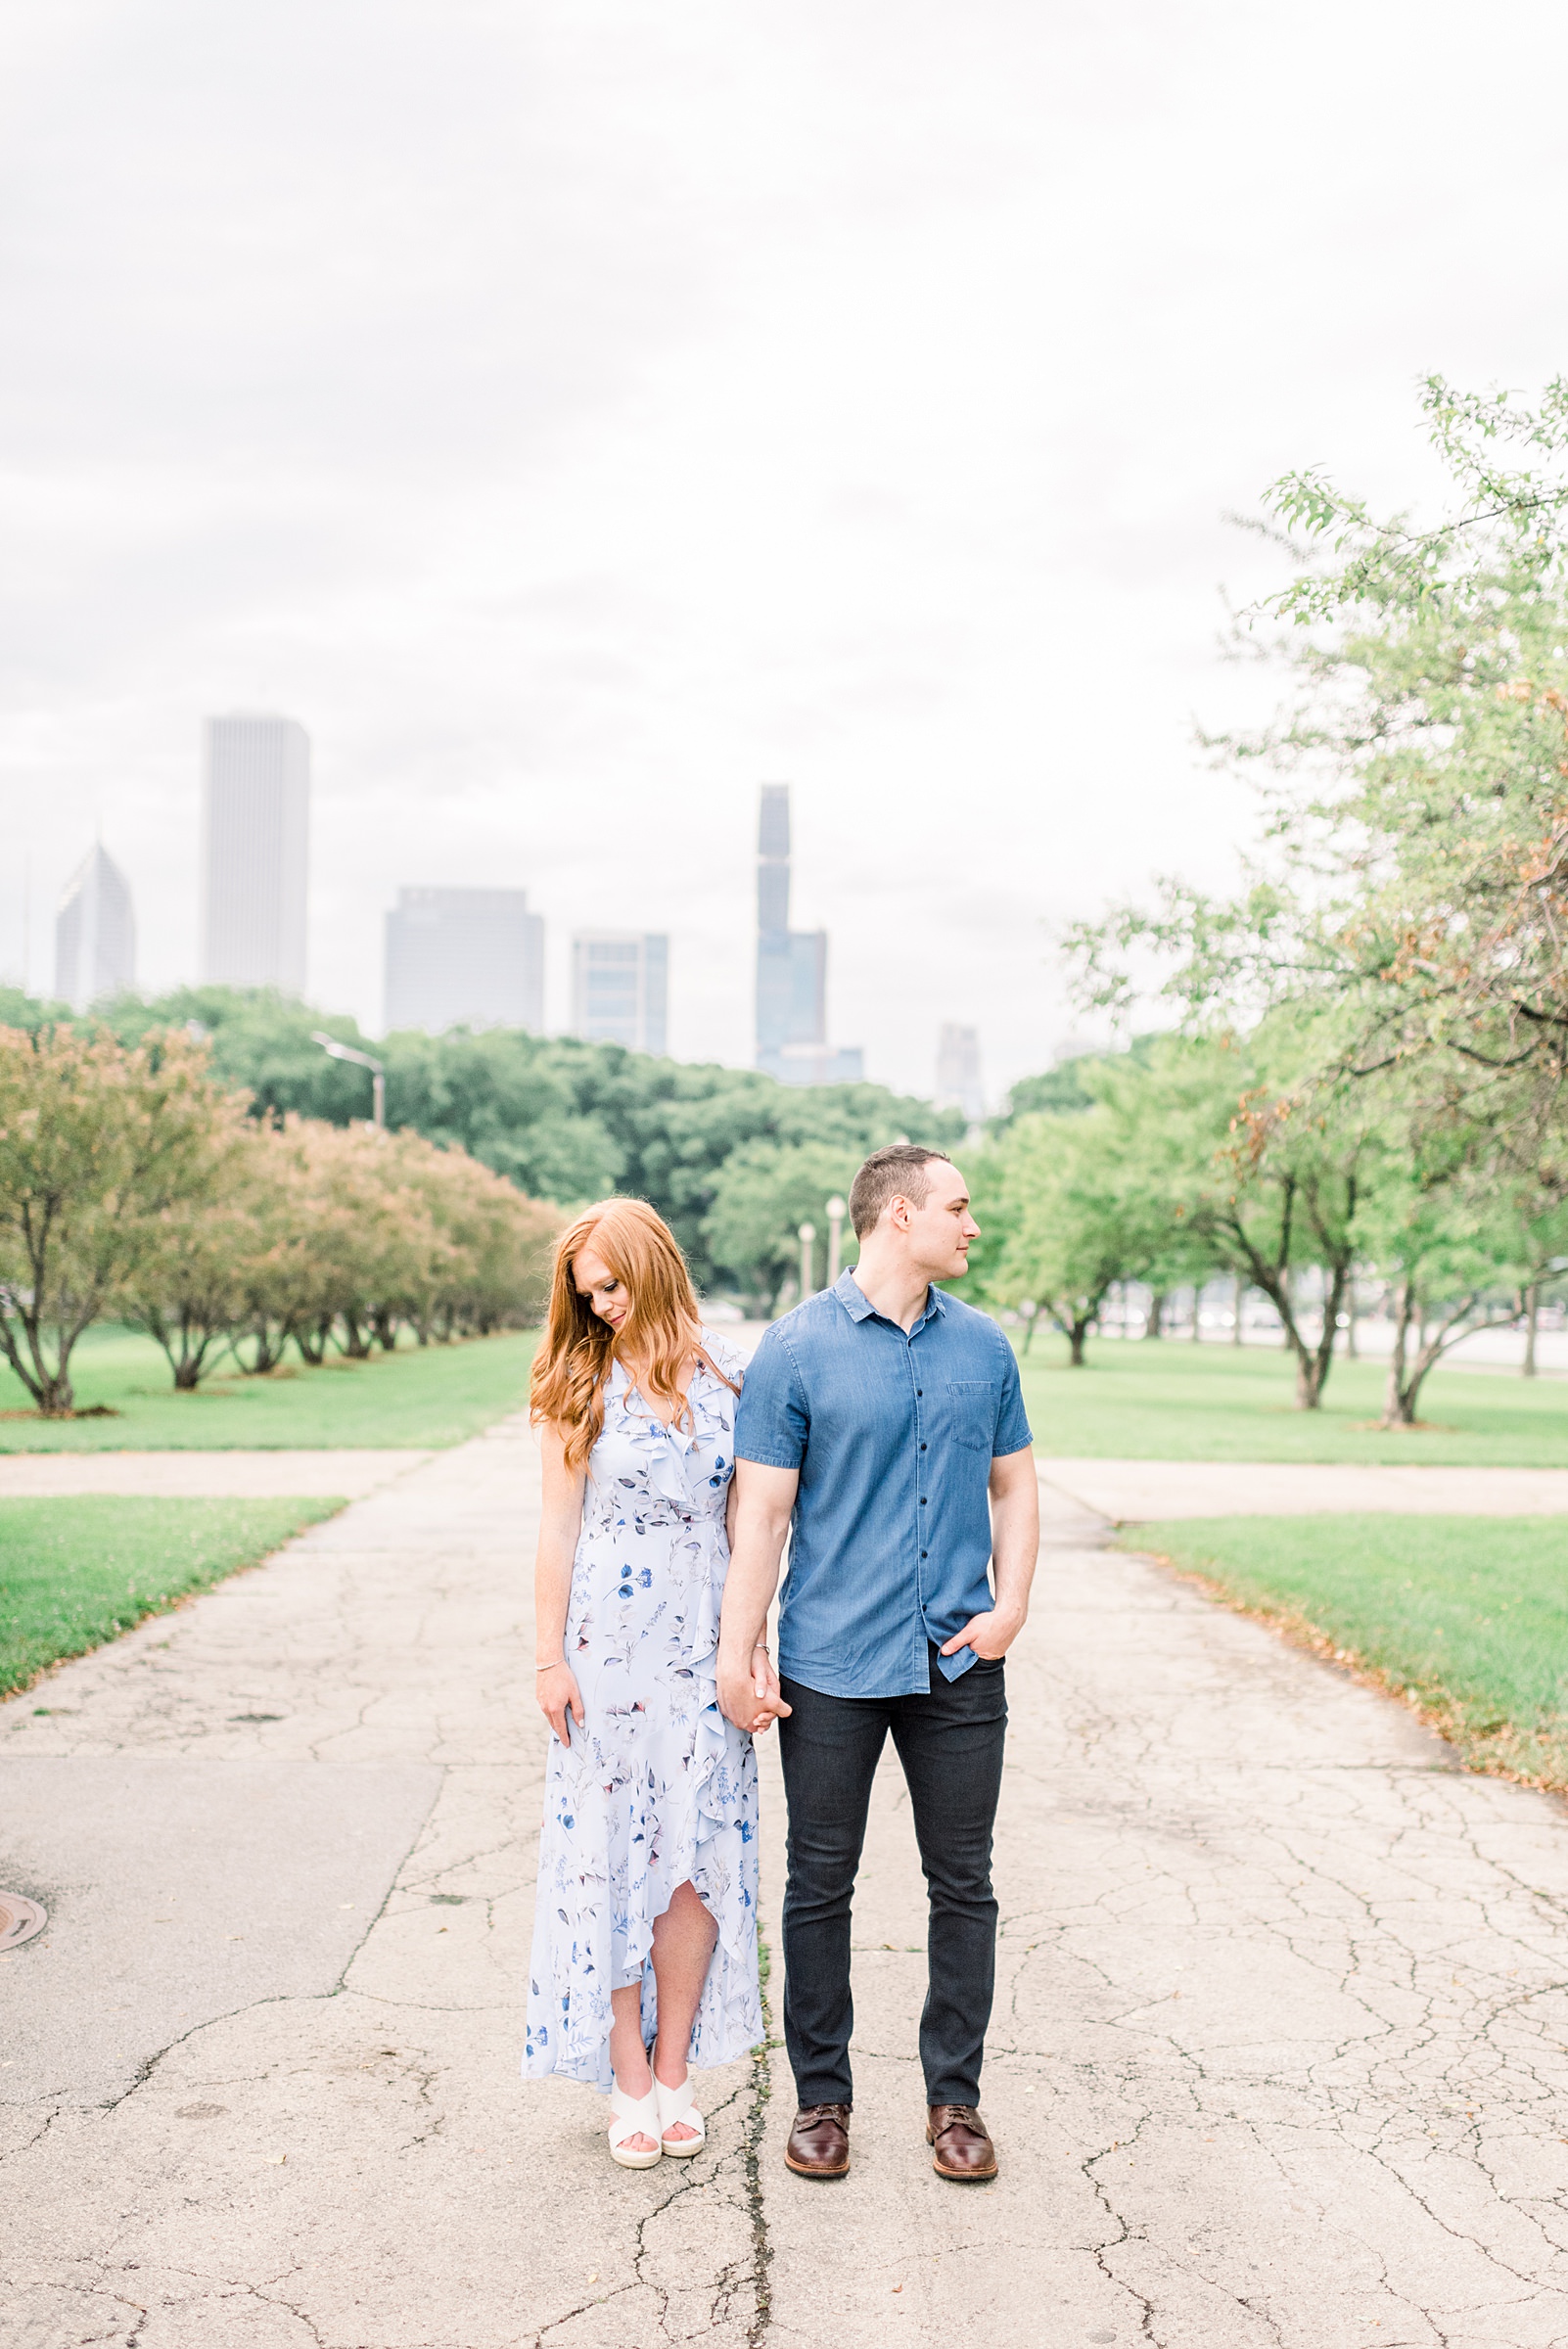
column 559, row 1698
column 749, row 1696
column 990, row 1635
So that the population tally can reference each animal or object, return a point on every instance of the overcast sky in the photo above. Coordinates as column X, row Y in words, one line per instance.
column 580, row 414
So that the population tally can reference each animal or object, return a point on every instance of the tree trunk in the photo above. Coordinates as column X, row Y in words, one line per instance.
column 386, row 1325
column 1239, row 1303
column 1078, row 1331
column 1312, row 1363
column 1154, row 1327
column 1197, row 1312
column 51, row 1390
column 312, row 1349
column 1404, row 1377
column 266, row 1347
column 1532, row 1318
column 355, row 1340
column 1351, row 1350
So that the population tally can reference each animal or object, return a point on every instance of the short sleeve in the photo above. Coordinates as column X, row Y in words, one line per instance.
column 773, row 1422
column 1012, row 1424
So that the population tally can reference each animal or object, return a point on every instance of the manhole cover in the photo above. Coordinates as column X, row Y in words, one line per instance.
column 19, row 1919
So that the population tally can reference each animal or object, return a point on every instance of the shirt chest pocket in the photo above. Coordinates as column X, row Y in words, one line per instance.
column 971, row 1413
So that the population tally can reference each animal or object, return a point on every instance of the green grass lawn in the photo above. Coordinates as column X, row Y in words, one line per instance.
column 1466, row 1616
column 75, row 1572
column 1171, row 1401
column 418, row 1396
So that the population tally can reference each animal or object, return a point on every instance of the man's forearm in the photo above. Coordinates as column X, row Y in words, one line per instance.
column 1014, row 1549
column 749, row 1588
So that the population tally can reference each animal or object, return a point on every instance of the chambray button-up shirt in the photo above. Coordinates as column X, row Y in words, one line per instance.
column 894, row 1437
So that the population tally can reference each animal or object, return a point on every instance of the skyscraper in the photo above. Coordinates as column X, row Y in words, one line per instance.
column 958, row 1082
column 464, row 957
column 255, row 819
column 791, row 968
column 620, row 988
column 95, row 933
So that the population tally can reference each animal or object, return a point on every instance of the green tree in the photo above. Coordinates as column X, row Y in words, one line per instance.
column 97, row 1143
column 189, row 1285
column 765, row 1192
column 1414, row 876
column 1071, row 1222
column 561, row 1119
column 1450, row 1249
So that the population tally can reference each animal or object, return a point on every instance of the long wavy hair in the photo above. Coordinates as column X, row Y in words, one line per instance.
column 573, row 1364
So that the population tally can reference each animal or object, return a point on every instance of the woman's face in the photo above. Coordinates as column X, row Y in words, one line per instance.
column 606, row 1295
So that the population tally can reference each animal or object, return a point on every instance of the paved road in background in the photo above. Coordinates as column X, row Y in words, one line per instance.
column 1139, row 1491
column 202, row 1475
column 1278, row 2055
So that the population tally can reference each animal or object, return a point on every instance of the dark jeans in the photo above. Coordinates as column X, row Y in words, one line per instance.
column 951, row 1745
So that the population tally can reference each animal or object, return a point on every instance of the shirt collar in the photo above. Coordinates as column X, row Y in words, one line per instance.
column 857, row 1305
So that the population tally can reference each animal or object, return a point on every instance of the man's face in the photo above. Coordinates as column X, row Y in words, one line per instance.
column 939, row 1232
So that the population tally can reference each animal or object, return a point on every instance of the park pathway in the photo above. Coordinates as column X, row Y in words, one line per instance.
column 1280, row 2053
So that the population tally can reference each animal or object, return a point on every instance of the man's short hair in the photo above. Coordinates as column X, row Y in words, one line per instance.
column 897, row 1172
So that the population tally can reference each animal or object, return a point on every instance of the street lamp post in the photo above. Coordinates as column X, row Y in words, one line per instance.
column 807, row 1234
column 836, row 1212
column 378, row 1074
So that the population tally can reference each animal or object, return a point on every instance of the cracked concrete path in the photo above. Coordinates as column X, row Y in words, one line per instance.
column 335, row 1760
column 202, row 1475
column 1280, row 2053
column 1129, row 1492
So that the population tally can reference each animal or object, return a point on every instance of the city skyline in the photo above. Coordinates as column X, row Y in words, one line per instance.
column 456, row 954
column 840, row 456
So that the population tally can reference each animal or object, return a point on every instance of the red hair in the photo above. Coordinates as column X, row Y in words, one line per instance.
column 658, row 1333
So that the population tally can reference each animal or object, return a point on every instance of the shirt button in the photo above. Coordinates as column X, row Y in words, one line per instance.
column 920, row 1390
column 922, row 1447
column 922, row 1500
column 924, row 1554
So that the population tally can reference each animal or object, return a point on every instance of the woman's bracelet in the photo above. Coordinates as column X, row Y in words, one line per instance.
column 550, row 1667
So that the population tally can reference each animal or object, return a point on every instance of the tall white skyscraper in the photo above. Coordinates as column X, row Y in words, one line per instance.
column 620, row 988
column 958, row 1078
column 95, row 933
column 464, row 958
column 255, row 823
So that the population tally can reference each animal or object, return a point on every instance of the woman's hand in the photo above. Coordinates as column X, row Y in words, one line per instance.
column 559, row 1698
column 756, row 1703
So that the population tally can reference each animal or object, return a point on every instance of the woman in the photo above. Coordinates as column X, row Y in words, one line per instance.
column 645, row 1931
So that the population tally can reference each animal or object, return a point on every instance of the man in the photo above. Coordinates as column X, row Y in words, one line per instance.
column 877, row 1421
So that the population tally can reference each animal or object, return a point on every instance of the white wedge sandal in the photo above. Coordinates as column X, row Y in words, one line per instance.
column 675, row 2106
column 634, row 2116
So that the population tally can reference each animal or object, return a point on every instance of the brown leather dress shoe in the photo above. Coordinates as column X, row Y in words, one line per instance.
column 820, row 2141
column 961, row 2143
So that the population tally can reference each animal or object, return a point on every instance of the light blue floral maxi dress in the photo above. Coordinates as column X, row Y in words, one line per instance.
column 657, row 1788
